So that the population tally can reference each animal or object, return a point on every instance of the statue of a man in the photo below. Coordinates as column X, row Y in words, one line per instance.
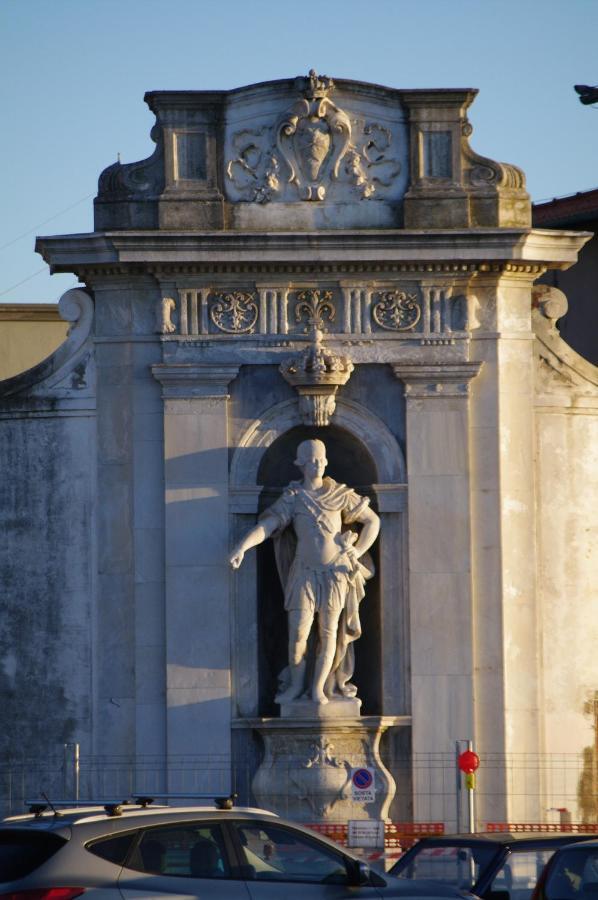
column 325, row 578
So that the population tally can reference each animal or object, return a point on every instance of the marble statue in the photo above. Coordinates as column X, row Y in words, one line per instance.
column 321, row 572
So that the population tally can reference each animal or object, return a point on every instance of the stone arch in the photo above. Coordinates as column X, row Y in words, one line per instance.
column 388, row 630
column 353, row 417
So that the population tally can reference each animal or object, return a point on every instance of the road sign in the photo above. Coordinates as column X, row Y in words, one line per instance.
column 363, row 785
column 365, row 833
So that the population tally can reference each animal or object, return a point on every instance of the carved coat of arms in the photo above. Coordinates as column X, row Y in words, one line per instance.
column 310, row 146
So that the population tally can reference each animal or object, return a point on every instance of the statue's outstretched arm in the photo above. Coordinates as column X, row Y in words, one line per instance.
column 369, row 532
column 259, row 533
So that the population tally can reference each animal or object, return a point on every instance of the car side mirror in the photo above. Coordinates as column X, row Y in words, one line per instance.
column 359, row 874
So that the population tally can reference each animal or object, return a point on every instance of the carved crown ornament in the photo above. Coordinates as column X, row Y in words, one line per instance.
column 317, row 373
column 310, row 146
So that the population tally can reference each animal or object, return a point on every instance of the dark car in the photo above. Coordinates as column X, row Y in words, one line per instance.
column 499, row 866
column 571, row 874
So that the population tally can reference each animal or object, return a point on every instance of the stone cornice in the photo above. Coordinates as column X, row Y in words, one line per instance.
column 436, row 380
column 30, row 312
column 347, row 251
column 194, row 380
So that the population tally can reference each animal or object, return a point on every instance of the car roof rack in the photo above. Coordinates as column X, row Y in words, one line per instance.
column 112, row 807
column 222, row 801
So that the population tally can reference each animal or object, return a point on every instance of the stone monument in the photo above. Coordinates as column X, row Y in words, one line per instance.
column 324, row 583
column 301, row 261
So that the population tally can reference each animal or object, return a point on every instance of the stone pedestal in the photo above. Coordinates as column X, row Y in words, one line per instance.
column 306, row 771
column 337, row 708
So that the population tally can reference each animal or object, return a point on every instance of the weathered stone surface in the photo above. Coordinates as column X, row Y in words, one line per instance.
column 143, row 450
column 311, row 153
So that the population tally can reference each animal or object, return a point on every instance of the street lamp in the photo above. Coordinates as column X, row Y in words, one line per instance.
column 587, row 94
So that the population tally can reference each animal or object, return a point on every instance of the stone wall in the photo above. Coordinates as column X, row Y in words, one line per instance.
column 47, row 555
column 566, row 434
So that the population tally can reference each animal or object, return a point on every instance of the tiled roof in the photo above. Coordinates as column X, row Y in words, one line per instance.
column 572, row 210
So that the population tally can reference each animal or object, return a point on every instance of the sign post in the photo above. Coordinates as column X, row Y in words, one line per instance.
column 468, row 762
column 363, row 785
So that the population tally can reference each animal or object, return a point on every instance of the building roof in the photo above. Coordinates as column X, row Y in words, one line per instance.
column 30, row 312
column 571, row 210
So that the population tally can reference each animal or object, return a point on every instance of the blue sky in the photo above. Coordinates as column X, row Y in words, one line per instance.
column 73, row 75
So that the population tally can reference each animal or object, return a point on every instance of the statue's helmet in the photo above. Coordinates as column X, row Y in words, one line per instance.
column 307, row 449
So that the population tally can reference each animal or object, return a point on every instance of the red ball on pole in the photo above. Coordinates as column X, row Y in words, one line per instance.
column 468, row 761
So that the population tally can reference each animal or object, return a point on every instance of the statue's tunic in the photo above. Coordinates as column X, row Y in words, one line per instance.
column 333, row 590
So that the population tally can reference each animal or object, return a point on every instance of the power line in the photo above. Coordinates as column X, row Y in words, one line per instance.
column 19, row 283
column 39, row 225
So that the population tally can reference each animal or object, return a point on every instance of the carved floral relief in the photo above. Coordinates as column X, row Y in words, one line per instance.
column 310, row 147
column 396, row 311
column 234, row 313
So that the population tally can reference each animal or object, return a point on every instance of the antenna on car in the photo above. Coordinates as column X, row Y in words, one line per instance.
column 50, row 804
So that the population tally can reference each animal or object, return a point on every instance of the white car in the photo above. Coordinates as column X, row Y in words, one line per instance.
column 135, row 850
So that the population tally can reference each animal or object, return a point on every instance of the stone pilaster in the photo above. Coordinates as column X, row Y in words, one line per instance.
column 507, row 642
column 198, row 678
column 440, row 581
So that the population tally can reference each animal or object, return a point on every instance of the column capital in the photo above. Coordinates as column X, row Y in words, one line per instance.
column 446, row 379
column 194, row 380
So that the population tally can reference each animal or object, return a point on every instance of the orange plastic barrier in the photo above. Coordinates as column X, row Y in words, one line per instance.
column 398, row 836
column 543, row 827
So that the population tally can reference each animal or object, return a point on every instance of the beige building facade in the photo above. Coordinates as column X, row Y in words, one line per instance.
column 278, row 229
column 29, row 332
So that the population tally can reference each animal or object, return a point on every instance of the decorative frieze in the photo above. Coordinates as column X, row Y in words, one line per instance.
column 431, row 312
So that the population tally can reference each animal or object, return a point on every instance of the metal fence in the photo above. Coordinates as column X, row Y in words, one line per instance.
column 542, row 788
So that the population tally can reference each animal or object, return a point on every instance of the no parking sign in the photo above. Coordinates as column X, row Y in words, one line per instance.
column 363, row 785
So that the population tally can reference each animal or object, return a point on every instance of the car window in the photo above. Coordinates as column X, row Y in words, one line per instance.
column 193, row 850
column 113, row 849
column 519, row 873
column 23, row 852
column 454, row 864
column 574, row 875
column 274, row 853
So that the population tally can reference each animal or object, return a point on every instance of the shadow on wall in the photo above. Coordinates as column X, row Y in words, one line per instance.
column 587, row 788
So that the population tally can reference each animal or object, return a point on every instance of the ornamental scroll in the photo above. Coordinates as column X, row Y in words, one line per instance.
column 397, row 311
column 235, row 313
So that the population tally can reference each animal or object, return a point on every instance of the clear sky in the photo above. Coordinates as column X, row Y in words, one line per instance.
column 73, row 74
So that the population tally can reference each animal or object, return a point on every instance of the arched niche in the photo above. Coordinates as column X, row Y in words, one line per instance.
column 364, row 454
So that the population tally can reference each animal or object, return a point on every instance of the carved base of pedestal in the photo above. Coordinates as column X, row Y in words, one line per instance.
column 306, row 771
column 341, row 708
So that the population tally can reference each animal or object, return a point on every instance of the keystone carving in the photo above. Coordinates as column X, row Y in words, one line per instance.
column 317, row 375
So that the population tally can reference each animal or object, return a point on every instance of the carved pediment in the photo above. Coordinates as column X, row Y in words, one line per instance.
column 310, row 146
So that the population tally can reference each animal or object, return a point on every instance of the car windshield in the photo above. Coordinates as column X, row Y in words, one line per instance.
column 573, row 875
column 455, row 864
